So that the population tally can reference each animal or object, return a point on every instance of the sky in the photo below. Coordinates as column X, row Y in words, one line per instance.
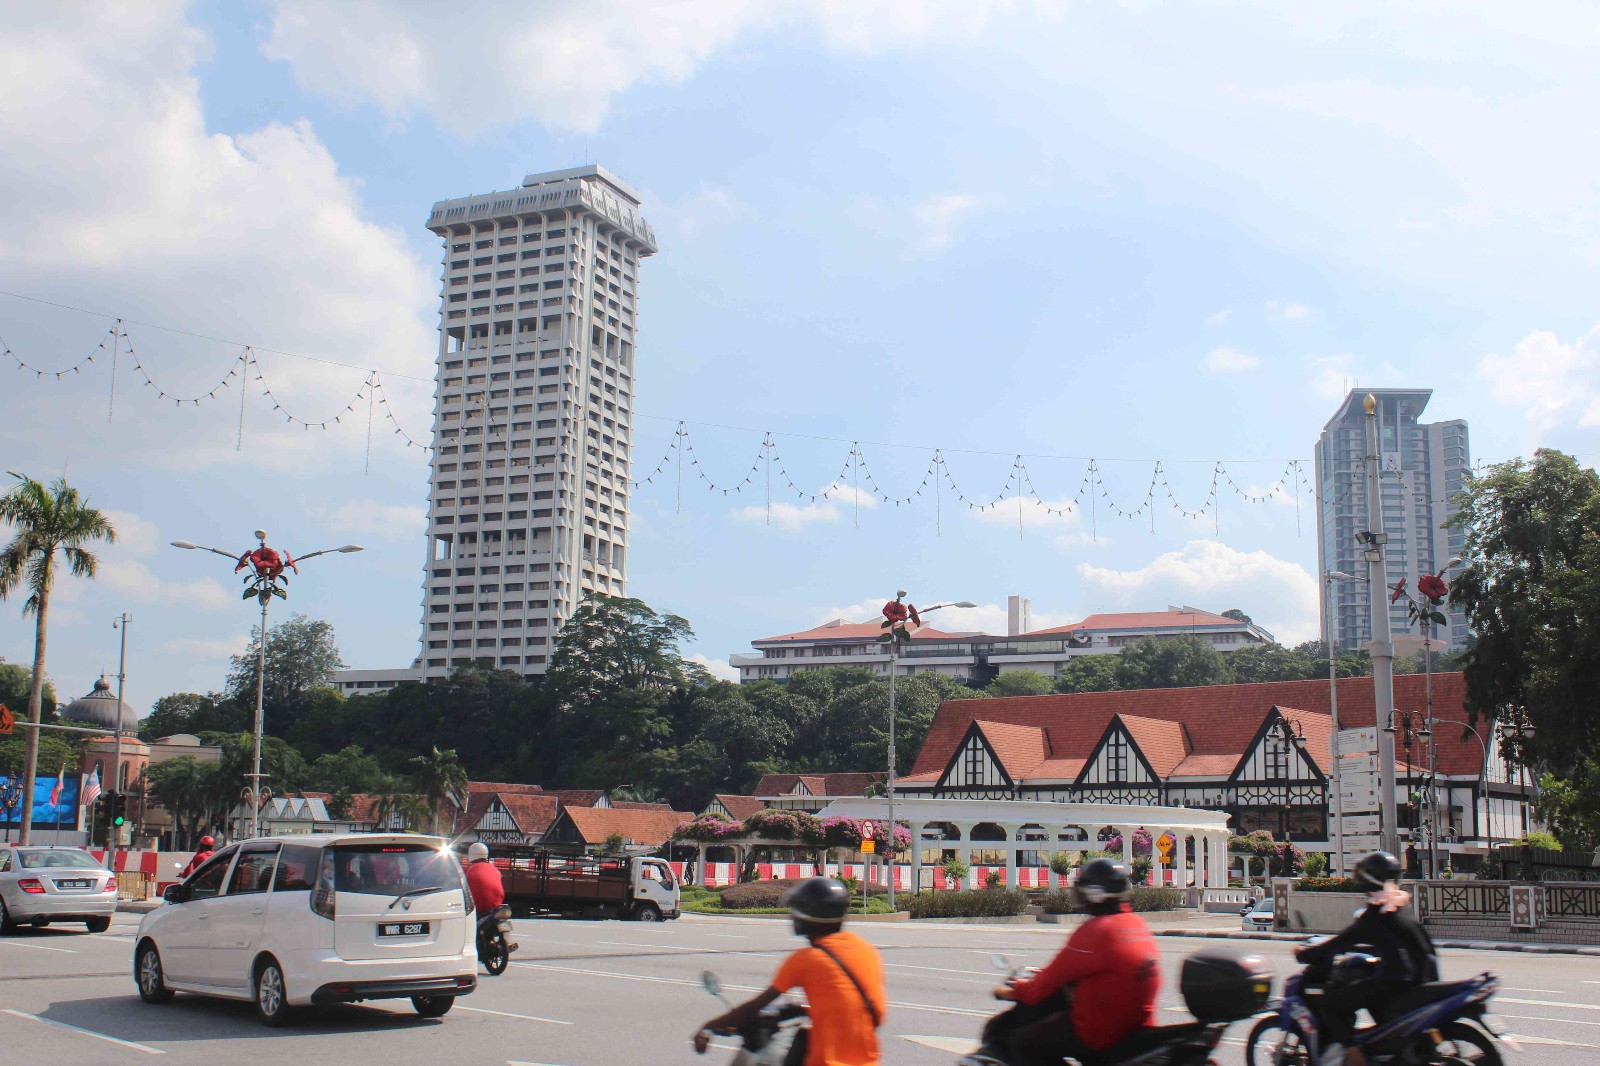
column 1128, row 233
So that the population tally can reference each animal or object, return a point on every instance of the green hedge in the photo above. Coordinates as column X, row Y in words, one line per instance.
column 1059, row 900
column 977, row 903
column 1326, row 884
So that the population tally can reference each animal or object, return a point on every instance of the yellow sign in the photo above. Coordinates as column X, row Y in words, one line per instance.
column 868, row 847
column 1165, row 846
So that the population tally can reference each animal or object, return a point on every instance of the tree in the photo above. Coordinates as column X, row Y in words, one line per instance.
column 301, row 656
column 612, row 643
column 1237, row 615
column 1272, row 662
column 1171, row 662
column 187, row 789
column 1530, row 590
column 15, row 680
column 1088, row 673
column 438, row 776
column 191, row 712
column 44, row 521
column 1018, row 683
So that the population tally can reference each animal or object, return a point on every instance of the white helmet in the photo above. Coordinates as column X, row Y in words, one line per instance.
column 478, row 852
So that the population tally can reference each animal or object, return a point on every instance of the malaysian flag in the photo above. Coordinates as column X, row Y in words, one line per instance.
column 55, row 793
column 91, row 789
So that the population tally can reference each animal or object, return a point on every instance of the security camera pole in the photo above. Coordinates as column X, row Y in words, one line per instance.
column 265, row 580
column 1373, row 541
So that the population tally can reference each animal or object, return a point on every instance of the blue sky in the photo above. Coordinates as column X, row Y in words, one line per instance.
column 1131, row 232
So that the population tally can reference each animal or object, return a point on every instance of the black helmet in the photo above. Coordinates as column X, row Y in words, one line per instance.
column 1371, row 872
column 817, row 901
column 1102, row 881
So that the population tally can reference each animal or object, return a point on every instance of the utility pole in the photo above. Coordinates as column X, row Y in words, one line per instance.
column 1328, row 579
column 1373, row 542
column 112, row 832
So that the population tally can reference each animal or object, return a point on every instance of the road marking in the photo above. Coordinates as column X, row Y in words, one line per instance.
column 994, row 976
column 1548, row 1040
column 1553, row 1021
column 730, row 936
column 692, row 951
column 1546, row 991
column 507, row 1014
column 955, row 1045
column 37, row 947
column 146, row 1048
column 1547, row 1003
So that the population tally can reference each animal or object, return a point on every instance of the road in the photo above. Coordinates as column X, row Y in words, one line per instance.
column 582, row 993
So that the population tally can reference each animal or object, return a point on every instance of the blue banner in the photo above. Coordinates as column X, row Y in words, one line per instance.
column 46, row 815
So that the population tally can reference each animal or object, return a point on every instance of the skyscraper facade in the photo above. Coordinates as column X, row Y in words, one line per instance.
column 1424, row 466
column 533, row 423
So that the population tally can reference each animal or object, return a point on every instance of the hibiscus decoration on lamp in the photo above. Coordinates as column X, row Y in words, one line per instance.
column 1433, row 592
column 266, row 565
column 899, row 619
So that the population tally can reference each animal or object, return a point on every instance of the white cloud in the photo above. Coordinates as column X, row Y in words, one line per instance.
column 835, row 503
column 717, row 668
column 1219, row 317
column 1332, row 376
column 121, row 569
column 206, row 650
column 560, row 64
column 1291, row 312
column 1280, row 595
column 937, row 218
column 710, row 207
column 145, row 209
column 380, row 521
column 1553, row 382
column 1230, row 361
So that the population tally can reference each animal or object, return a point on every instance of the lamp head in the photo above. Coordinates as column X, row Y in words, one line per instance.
column 261, row 535
column 1455, row 560
column 350, row 548
column 1340, row 575
column 1370, row 403
column 964, row 603
column 185, row 545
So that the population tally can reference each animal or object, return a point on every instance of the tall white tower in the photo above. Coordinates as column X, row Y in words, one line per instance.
column 533, row 422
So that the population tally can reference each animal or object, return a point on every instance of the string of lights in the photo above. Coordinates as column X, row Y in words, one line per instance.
column 40, row 372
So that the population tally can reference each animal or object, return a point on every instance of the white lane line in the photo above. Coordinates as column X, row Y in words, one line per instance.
column 1547, row 1003
column 693, row 951
column 146, row 1048
column 1548, row 1041
column 995, row 976
column 507, row 1014
column 730, row 936
column 1546, row 991
column 36, row 947
column 1551, row 1021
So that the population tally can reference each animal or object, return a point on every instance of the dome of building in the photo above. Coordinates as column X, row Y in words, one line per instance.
column 99, row 708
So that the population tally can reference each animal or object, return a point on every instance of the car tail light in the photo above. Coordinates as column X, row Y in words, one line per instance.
column 31, row 885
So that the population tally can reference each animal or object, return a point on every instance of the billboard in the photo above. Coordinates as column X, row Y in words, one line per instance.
column 46, row 815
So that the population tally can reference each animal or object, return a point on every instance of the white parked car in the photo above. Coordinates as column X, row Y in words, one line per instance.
column 296, row 921
column 44, row 884
column 1258, row 916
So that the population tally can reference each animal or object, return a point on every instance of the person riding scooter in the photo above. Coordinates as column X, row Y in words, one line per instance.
column 1100, row 988
column 208, row 847
column 484, row 880
column 1386, row 929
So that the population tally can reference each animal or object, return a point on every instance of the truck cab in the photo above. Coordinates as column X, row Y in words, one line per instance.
column 655, row 891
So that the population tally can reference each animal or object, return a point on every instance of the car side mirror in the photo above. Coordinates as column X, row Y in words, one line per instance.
column 175, row 893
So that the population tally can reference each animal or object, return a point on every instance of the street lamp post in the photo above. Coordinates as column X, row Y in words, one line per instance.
column 1433, row 748
column 894, row 857
column 1373, row 541
column 112, row 832
column 264, row 582
column 1328, row 578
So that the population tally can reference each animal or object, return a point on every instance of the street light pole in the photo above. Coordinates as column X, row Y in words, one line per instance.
column 1374, row 540
column 894, row 654
column 1328, row 578
column 116, row 758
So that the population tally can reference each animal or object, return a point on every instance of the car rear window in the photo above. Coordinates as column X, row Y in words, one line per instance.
column 390, row 869
column 48, row 860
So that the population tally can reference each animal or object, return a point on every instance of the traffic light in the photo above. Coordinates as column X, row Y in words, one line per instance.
column 119, row 809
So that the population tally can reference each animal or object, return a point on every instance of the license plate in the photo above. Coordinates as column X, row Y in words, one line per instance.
column 403, row 929
column 72, row 884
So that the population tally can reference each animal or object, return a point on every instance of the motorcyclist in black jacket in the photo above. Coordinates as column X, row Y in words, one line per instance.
column 1385, row 929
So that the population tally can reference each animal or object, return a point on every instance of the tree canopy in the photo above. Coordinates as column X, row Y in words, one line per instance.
column 301, row 657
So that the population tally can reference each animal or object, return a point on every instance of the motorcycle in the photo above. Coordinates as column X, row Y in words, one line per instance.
column 494, row 943
column 767, row 1040
column 1217, row 990
column 1442, row 1024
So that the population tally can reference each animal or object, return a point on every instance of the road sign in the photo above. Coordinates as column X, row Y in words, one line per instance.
column 1360, row 823
column 1358, row 764
column 1359, row 800
column 868, row 830
column 1362, row 842
column 1164, row 845
column 1352, row 741
column 868, row 846
column 6, row 721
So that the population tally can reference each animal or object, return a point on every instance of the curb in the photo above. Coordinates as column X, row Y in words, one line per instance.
column 139, row 906
column 1470, row 945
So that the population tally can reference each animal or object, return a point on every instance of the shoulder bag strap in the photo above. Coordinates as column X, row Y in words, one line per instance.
column 872, row 1008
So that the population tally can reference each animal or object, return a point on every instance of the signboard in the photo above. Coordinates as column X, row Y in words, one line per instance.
column 1164, row 845
column 1361, row 824
column 6, row 721
column 1362, row 842
column 1354, row 741
column 868, row 846
column 1366, row 763
column 868, row 830
column 1359, row 800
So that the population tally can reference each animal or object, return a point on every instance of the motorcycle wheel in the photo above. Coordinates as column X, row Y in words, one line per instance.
column 1465, row 1045
column 496, row 960
column 1269, row 1045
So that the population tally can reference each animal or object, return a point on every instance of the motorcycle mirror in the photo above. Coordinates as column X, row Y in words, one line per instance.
column 711, row 982
column 1001, row 963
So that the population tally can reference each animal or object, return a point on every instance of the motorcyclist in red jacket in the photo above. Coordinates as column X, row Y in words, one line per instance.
column 208, row 847
column 484, row 880
column 1100, row 988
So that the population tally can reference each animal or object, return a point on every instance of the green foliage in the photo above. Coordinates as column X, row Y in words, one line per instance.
column 1316, row 864
column 956, row 870
column 993, row 880
column 1170, row 662
column 15, row 680
column 1547, row 841
column 977, row 903
column 1088, row 673
column 1057, row 901
column 1017, row 683
column 54, row 752
column 192, row 712
column 436, row 777
column 1326, row 884
column 1063, row 862
column 301, row 658
column 1238, row 616
column 1273, row 662
column 1140, row 874
column 1155, row 899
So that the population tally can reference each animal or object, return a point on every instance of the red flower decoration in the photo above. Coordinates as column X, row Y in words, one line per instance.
column 1433, row 587
column 914, row 619
column 1399, row 591
column 895, row 611
column 267, row 562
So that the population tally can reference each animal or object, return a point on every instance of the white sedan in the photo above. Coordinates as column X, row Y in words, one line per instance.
column 294, row 921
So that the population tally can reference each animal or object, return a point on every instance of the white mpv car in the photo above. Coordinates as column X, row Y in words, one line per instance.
column 302, row 920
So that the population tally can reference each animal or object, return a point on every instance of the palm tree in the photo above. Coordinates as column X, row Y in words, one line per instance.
column 45, row 521
column 438, row 776
column 396, row 800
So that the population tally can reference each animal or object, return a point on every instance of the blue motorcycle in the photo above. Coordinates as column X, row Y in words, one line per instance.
column 1441, row 1024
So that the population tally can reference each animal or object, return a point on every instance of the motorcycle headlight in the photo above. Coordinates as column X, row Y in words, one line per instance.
column 504, row 927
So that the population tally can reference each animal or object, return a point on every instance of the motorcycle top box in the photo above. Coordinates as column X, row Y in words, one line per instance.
column 1220, row 988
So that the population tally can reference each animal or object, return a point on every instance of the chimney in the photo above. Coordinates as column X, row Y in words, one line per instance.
column 1019, row 615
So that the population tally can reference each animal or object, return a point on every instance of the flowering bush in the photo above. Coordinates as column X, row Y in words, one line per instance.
column 1141, row 843
column 1283, row 859
column 710, row 829
column 846, row 833
column 802, row 826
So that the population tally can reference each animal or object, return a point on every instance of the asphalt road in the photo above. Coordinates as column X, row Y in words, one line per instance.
column 591, row 993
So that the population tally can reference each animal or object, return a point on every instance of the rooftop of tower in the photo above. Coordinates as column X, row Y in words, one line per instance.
column 1352, row 405
column 592, row 186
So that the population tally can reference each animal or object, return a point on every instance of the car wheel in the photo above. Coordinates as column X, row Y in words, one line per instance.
column 97, row 925
column 272, row 996
column 7, row 926
column 647, row 912
column 433, row 1006
column 148, row 976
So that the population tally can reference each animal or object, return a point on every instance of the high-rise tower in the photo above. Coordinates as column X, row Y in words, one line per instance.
column 533, row 422
column 1424, row 467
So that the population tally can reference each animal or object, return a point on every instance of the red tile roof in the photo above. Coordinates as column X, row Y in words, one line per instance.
column 1168, row 619
column 840, row 784
column 1020, row 748
column 1164, row 744
column 1219, row 721
column 500, row 786
column 596, row 825
column 740, row 807
column 637, row 805
column 577, row 797
column 856, row 631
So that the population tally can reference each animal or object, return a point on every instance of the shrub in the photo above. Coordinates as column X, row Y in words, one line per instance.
column 709, row 829
column 785, row 825
column 755, row 894
column 981, row 903
column 956, row 871
column 993, row 880
column 1156, row 899
column 853, row 886
column 1057, row 901
column 1316, row 864
column 1063, row 862
column 1546, row 841
column 1140, row 874
column 1326, row 884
